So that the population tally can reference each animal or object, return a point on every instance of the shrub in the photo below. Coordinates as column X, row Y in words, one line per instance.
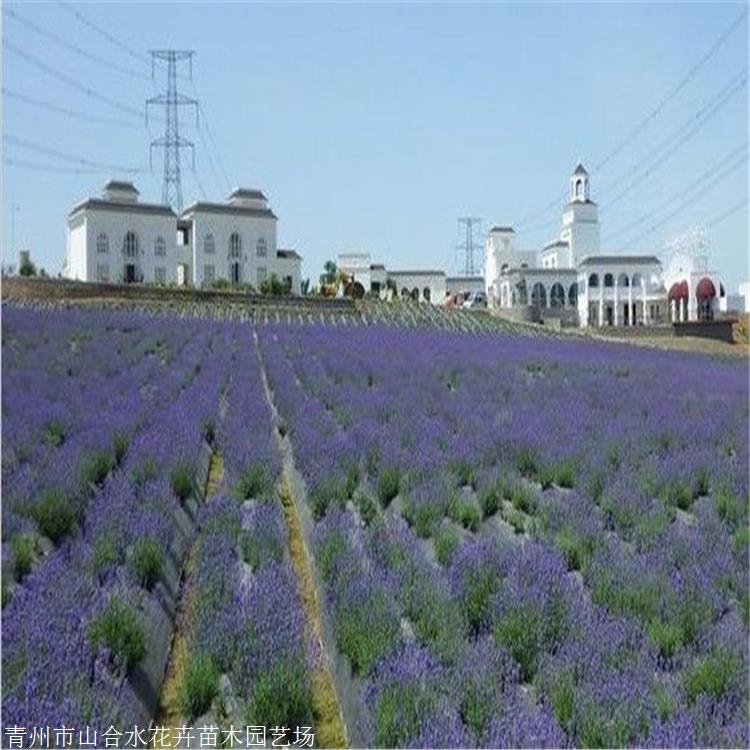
column 711, row 675
column 182, row 479
column 465, row 474
column 324, row 493
column 701, row 482
column 96, row 468
column 105, row 554
column 479, row 588
column 261, row 549
column 329, row 551
column 199, row 686
column 726, row 505
column 366, row 631
column 54, row 514
column 388, row 484
column 445, row 545
column 117, row 628
column 667, row 637
column 119, row 447
column 367, row 507
column 575, row 546
column 563, row 699
column 424, row 518
column 521, row 497
column 54, row 432
column 399, row 712
column 281, row 697
column 677, row 493
column 490, row 498
column 565, row 473
column 255, row 482
column 23, row 548
column 147, row 561
column 145, row 472
column 526, row 463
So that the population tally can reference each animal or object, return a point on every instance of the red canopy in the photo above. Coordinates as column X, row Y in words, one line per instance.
column 706, row 289
column 678, row 290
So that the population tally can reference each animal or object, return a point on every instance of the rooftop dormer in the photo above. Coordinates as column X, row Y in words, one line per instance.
column 248, row 198
column 118, row 191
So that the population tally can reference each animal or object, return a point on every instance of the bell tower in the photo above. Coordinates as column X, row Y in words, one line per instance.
column 579, row 185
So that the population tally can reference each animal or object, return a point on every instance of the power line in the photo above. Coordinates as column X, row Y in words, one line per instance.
column 71, row 112
column 648, row 119
column 673, row 93
column 15, row 140
column 73, row 47
column 227, row 181
column 696, row 184
column 41, row 167
column 687, row 130
column 726, row 214
column 686, row 204
column 70, row 81
column 124, row 47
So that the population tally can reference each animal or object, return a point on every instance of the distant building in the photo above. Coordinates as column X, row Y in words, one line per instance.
column 118, row 239
column 571, row 279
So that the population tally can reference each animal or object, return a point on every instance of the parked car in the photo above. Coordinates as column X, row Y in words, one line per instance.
column 476, row 300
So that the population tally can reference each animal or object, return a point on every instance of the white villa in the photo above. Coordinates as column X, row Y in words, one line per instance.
column 118, row 239
column 571, row 279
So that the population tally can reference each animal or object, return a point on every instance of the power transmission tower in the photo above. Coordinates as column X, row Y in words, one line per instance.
column 172, row 141
column 467, row 243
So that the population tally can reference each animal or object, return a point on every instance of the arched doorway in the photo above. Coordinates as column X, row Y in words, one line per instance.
column 557, row 295
column 706, row 294
column 426, row 294
column 538, row 295
column 678, row 301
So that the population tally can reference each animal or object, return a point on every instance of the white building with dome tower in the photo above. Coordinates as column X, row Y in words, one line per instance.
column 572, row 280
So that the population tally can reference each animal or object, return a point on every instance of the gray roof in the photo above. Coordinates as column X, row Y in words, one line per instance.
column 572, row 272
column 291, row 254
column 587, row 202
column 121, row 185
column 502, row 229
column 556, row 243
column 580, row 169
column 247, row 193
column 122, row 206
column 228, row 208
column 613, row 260
column 416, row 273
column 465, row 278
column 377, row 267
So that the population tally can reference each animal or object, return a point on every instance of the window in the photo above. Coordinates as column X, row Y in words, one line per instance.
column 235, row 246
column 609, row 279
column 160, row 247
column 130, row 246
column 261, row 247
column 209, row 245
column 593, row 280
column 209, row 274
column 102, row 272
column 160, row 275
column 262, row 273
column 102, row 243
column 288, row 283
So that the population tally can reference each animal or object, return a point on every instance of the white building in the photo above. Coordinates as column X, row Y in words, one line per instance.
column 119, row 239
column 571, row 279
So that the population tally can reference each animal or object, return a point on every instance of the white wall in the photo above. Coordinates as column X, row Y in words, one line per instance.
column 222, row 226
column 86, row 260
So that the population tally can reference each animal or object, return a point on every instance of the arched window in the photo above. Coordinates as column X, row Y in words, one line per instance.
column 573, row 295
column 609, row 279
column 637, row 280
column 209, row 246
column 557, row 295
column 623, row 280
column 160, row 247
column 130, row 245
column 426, row 293
column 404, row 292
column 235, row 245
column 539, row 295
column 102, row 243
column 415, row 294
column 593, row 280
column 261, row 247
column 579, row 188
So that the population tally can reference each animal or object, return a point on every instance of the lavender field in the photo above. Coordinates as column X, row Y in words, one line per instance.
column 437, row 538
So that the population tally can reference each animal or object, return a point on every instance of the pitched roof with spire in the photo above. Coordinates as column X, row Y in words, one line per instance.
column 580, row 169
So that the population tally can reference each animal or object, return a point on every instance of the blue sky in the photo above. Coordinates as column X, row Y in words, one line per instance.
column 373, row 127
